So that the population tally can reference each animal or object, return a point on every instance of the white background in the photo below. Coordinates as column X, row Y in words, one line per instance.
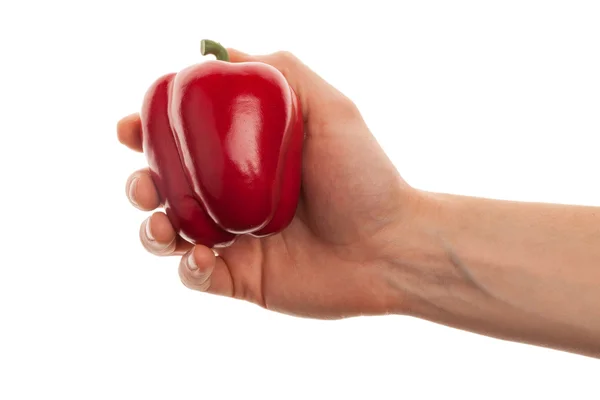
column 498, row 99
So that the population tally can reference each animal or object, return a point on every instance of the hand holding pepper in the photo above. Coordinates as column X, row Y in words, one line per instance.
column 322, row 264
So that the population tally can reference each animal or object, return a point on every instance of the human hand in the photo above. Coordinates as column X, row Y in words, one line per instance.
column 329, row 262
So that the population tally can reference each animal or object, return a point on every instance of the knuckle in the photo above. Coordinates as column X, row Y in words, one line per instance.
column 349, row 106
column 284, row 61
column 345, row 108
column 285, row 56
column 341, row 111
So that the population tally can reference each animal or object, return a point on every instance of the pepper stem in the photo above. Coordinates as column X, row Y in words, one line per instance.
column 214, row 48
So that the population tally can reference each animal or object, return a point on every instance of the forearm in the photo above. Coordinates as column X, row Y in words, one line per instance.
column 520, row 271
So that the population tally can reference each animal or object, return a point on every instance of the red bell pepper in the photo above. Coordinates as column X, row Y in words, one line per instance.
column 224, row 145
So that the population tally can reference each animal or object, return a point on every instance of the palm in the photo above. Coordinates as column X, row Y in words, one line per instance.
column 342, row 205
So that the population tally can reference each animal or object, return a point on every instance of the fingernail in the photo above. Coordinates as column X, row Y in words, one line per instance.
column 151, row 244
column 132, row 190
column 148, row 231
column 190, row 262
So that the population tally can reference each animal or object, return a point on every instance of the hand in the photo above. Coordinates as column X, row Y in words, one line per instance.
column 329, row 262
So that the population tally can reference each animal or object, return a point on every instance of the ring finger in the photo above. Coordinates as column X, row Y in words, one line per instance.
column 159, row 238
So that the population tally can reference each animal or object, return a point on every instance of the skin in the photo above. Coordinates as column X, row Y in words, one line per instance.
column 364, row 242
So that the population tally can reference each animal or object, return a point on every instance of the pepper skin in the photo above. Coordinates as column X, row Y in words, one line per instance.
column 224, row 145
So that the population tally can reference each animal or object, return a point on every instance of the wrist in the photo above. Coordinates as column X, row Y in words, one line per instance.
column 421, row 266
column 477, row 264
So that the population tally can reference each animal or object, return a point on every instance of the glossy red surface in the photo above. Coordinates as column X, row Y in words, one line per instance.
column 224, row 144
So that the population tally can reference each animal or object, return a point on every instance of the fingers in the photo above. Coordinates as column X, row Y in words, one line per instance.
column 129, row 132
column 201, row 270
column 159, row 238
column 156, row 233
column 141, row 191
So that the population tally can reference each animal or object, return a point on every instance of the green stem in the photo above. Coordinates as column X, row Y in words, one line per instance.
column 214, row 48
